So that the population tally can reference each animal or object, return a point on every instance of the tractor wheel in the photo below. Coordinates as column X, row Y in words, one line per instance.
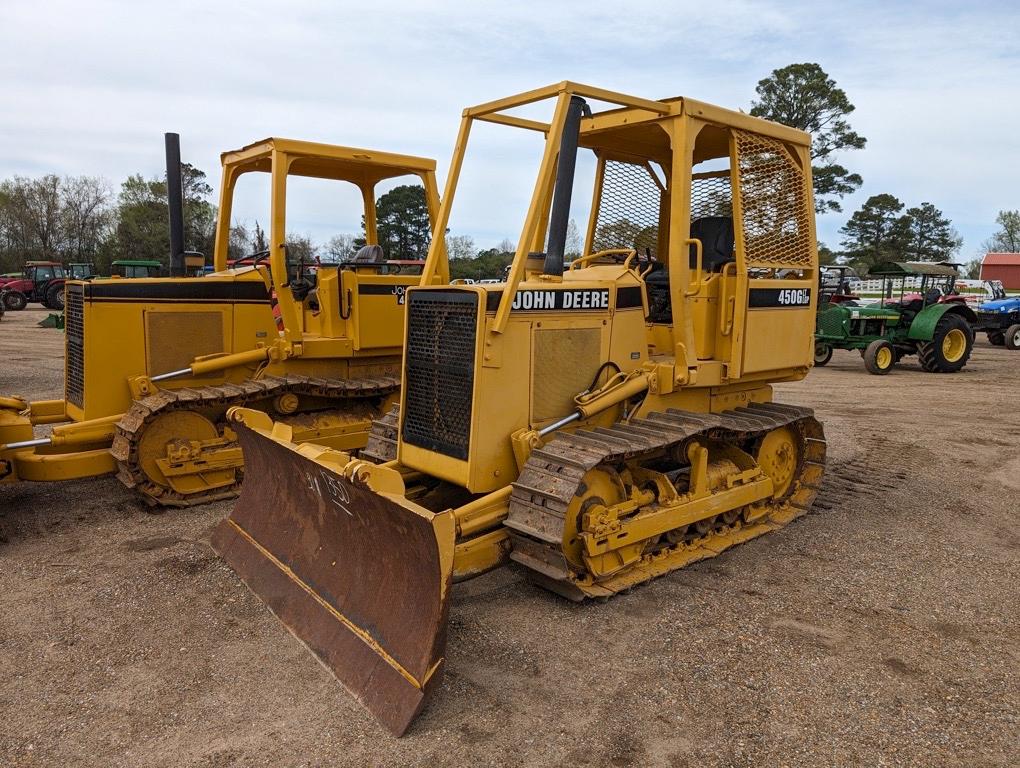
column 996, row 338
column 55, row 298
column 15, row 300
column 879, row 357
column 1013, row 337
column 950, row 346
column 823, row 353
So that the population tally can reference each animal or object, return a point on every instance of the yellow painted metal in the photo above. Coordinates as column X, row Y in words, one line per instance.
column 168, row 434
column 721, row 349
column 47, row 411
column 354, row 331
column 480, row 554
column 733, row 323
column 777, row 455
column 47, row 467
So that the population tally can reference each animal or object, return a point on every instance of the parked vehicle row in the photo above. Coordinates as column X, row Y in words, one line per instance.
column 42, row 282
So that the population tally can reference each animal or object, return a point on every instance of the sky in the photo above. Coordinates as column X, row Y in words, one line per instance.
column 90, row 87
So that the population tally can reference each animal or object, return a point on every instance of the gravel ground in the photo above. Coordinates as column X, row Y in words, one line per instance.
column 881, row 629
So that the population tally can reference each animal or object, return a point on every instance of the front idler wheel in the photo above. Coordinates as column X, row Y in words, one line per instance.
column 879, row 357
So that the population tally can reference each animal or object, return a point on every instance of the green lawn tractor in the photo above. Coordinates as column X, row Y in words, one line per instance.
column 907, row 320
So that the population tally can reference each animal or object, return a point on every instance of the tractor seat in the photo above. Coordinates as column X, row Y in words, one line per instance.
column 717, row 242
column 370, row 254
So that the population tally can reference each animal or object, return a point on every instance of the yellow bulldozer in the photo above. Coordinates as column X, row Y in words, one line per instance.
column 152, row 365
column 599, row 424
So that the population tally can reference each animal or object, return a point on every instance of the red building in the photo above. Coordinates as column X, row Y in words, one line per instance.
column 1004, row 267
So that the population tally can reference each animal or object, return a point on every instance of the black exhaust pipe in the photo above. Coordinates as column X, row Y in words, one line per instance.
column 559, row 217
column 175, row 203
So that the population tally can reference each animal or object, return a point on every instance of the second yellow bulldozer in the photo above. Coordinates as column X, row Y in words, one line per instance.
column 600, row 424
column 152, row 365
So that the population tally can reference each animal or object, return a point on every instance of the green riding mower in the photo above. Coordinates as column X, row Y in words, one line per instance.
column 912, row 317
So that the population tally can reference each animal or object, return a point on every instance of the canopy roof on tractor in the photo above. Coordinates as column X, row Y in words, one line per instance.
column 909, row 268
column 136, row 263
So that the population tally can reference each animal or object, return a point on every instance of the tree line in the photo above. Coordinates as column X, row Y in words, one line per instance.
column 883, row 228
column 80, row 218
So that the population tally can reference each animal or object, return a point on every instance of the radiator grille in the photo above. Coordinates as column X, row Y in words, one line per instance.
column 830, row 321
column 74, row 354
column 441, row 329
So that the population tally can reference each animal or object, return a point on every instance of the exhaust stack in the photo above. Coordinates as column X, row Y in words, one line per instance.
column 175, row 203
column 567, row 161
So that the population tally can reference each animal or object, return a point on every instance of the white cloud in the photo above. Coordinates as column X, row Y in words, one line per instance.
column 89, row 87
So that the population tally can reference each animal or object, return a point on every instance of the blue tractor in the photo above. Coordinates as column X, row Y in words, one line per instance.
column 1000, row 320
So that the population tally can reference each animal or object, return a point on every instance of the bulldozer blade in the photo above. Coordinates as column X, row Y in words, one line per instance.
column 362, row 578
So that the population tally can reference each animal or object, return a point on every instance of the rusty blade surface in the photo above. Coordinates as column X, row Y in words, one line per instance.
column 359, row 578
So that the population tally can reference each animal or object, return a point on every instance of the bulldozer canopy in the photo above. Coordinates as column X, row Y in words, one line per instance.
column 327, row 161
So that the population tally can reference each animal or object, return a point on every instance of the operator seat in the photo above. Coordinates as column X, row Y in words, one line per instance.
column 717, row 250
column 370, row 254
column 717, row 242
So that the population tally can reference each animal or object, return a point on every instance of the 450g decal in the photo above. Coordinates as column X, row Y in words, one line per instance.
column 779, row 298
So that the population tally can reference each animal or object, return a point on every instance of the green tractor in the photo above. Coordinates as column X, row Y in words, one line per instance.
column 927, row 318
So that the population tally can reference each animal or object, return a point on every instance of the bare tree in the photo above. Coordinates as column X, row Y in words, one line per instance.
column 460, row 246
column 573, row 245
column 506, row 245
column 32, row 219
column 1007, row 239
column 239, row 244
column 87, row 217
column 340, row 247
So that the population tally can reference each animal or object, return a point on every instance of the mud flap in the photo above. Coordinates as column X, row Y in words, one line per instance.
column 361, row 578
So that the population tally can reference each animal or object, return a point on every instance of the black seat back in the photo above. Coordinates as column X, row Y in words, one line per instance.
column 717, row 249
column 370, row 254
column 717, row 242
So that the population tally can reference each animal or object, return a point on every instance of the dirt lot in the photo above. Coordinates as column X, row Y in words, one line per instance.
column 882, row 629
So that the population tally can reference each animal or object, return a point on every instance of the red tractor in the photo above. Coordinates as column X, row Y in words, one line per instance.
column 41, row 282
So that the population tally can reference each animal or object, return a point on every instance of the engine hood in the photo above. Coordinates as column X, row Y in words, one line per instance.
column 1001, row 305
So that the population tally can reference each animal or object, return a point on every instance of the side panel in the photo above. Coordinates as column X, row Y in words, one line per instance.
column 207, row 332
column 779, row 331
column 376, row 306
column 127, row 328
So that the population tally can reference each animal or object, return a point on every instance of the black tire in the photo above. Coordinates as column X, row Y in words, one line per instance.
column 55, row 297
column 933, row 354
column 879, row 357
column 996, row 338
column 823, row 353
column 1013, row 337
column 15, row 301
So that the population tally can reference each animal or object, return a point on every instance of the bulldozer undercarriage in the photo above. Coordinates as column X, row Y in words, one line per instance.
column 176, row 449
column 597, row 512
